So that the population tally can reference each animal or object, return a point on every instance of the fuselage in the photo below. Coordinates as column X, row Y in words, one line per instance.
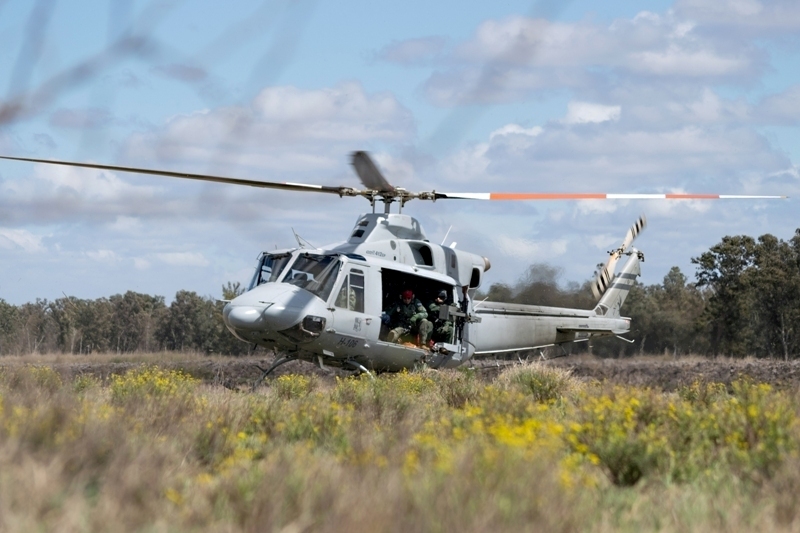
column 326, row 305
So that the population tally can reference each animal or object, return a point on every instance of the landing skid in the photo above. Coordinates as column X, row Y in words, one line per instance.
column 358, row 368
column 278, row 362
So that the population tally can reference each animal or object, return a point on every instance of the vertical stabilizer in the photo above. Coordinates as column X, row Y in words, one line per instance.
column 619, row 286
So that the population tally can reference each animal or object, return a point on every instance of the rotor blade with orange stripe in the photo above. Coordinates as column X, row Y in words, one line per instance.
column 596, row 196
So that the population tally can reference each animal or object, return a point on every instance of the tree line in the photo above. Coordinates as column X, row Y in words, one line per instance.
column 745, row 301
column 123, row 323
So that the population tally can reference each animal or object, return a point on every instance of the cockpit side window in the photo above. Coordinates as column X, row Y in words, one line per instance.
column 351, row 295
column 314, row 273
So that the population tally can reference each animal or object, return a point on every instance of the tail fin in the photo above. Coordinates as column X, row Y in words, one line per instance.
column 606, row 273
column 617, row 289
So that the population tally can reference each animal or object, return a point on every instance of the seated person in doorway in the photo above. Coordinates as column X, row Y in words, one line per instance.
column 442, row 329
column 408, row 316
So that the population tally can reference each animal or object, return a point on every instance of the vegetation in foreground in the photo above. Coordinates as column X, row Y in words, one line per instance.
column 535, row 449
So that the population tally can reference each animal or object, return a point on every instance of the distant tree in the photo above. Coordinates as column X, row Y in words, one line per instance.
column 188, row 324
column 775, row 286
column 499, row 292
column 35, row 330
column 678, row 310
column 727, row 317
column 539, row 286
column 231, row 290
column 134, row 320
column 94, row 323
column 64, row 313
column 195, row 323
column 8, row 319
column 226, row 343
column 753, row 296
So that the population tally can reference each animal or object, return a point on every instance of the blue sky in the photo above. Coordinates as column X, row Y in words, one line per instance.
column 684, row 96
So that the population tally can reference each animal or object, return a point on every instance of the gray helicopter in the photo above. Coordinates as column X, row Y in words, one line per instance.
column 327, row 306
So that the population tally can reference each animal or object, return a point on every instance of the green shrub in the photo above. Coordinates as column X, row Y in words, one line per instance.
column 543, row 383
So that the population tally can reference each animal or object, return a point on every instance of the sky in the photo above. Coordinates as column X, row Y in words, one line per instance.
column 698, row 96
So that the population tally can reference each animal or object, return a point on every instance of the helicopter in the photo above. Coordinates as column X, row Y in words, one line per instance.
column 327, row 305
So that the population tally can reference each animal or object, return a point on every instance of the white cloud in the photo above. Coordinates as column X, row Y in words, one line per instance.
column 53, row 194
column 284, row 129
column 605, row 241
column 193, row 259
column 768, row 18
column 515, row 129
column 586, row 112
column 19, row 238
column 594, row 207
column 510, row 59
column 675, row 61
column 125, row 224
column 467, row 165
column 106, row 256
column 528, row 250
column 782, row 108
column 89, row 184
column 412, row 51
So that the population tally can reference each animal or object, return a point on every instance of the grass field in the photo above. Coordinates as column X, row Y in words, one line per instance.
column 533, row 448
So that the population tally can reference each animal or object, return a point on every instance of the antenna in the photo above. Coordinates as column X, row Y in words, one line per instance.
column 300, row 240
column 446, row 234
column 297, row 238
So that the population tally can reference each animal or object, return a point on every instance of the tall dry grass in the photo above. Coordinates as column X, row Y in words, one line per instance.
column 535, row 449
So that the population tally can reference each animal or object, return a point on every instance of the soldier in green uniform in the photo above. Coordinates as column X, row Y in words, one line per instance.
column 408, row 316
column 442, row 329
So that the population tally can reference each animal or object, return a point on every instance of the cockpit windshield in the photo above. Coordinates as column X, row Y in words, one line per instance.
column 269, row 268
column 315, row 273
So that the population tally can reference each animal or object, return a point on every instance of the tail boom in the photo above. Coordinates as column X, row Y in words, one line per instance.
column 507, row 327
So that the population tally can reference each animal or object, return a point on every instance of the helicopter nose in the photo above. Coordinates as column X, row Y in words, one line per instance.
column 268, row 308
column 245, row 317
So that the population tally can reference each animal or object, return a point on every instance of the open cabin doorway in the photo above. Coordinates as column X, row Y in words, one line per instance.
column 425, row 289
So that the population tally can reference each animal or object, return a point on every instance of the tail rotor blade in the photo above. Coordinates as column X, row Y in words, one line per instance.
column 634, row 232
column 601, row 282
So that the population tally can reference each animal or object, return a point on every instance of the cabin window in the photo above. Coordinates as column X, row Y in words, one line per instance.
column 351, row 295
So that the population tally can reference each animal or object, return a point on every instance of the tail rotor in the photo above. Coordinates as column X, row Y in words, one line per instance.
column 606, row 274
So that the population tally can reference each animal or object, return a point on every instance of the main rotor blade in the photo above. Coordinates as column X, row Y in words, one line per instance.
column 369, row 174
column 288, row 186
column 595, row 196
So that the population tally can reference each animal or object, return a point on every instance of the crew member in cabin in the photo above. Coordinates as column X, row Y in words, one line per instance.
column 442, row 329
column 408, row 317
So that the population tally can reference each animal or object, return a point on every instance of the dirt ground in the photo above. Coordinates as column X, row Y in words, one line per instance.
column 241, row 372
